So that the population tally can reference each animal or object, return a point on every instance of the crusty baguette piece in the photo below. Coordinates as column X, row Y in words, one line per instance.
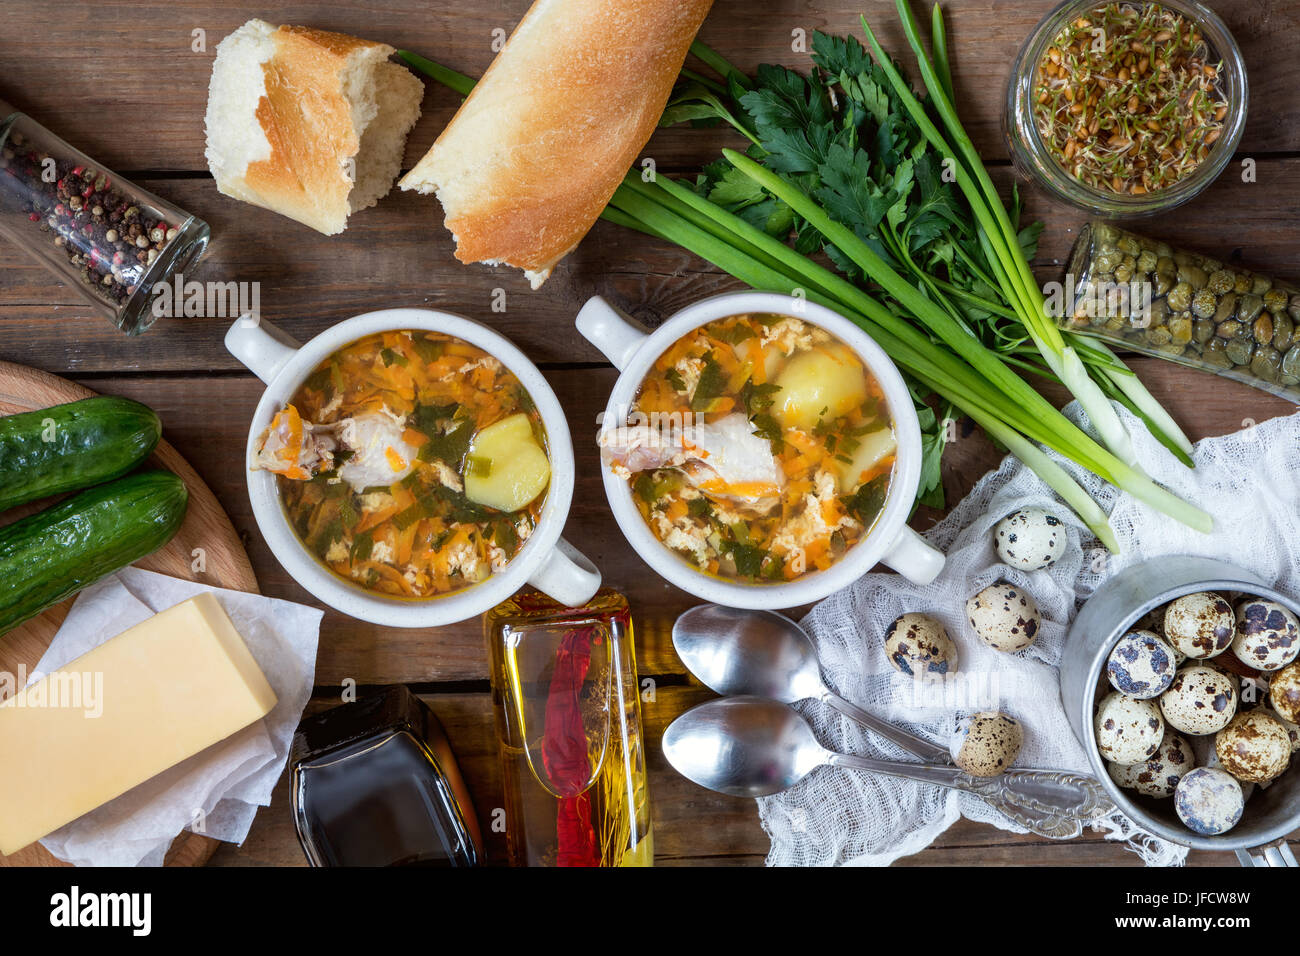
column 536, row 151
column 307, row 123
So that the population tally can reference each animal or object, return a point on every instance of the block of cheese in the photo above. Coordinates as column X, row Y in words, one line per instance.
column 135, row 706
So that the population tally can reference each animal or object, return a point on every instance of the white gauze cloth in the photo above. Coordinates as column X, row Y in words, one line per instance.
column 1246, row 480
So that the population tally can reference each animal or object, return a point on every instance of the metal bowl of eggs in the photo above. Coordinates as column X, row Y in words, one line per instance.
column 1181, row 678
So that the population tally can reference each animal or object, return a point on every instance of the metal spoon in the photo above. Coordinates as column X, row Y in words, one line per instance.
column 753, row 747
column 768, row 655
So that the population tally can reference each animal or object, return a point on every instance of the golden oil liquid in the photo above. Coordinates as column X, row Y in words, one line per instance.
column 568, row 722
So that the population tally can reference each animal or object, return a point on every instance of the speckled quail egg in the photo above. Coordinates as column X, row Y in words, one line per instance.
column 1158, row 776
column 1253, row 747
column 1201, row 700
column 1209, row 801
column 1141, row 665
column 1268, row 634
column 1030, row 539
column 987, row 743
column 1200, row 625
column 1284, row 692
column 917, row 644
column 1005, row 617
column 1292, row 730
column 1128, row 730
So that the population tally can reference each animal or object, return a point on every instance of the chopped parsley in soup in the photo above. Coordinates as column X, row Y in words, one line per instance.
column 411, row 463
column 758, row 448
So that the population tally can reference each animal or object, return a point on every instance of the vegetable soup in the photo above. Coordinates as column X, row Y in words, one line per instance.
column 758, row 448
column 410, row 463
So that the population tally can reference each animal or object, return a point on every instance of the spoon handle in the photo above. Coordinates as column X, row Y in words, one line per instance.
column 1051, row 803
column 905, row 739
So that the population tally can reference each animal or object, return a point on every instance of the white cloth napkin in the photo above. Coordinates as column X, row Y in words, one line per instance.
column 1246, row 480
column 218, row 791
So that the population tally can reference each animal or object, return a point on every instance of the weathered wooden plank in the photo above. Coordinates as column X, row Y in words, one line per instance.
column 128, row 88
column 398, row 254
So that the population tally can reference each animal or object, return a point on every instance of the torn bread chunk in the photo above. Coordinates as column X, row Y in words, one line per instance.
column 306, row 123
column 534, row 154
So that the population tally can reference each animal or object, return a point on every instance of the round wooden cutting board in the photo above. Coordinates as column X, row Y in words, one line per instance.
column 206, row 526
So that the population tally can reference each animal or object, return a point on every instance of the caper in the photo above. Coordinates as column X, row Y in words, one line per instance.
column 1227, row 306
column 1107, row 261
column 1210, row 265
column 1184, row 259
column 1162, row 282
column 1147, row 261
column 1266, row 364
column 1166, row 266
column 1116, row 323
column 1220, row 282
column 1106, row 234
column 1129, row 246
column 1275, row 300
column 1160, row 335
column 1294, row 307
column 1263, row 328
column 1283, row 331
column 1204, row 304
column 1180, row 297
column 1180, row 331
column 1249, row 307
column 1229, row 329
column 1124, row 271
column 1203, row 331
column 1216, row 354
column 1194, row 276
column 1290, row 372
column 1157, row 312
column 1163, row 249
column 1240, row 350
column 1260, row 284
column 1243, row 283
column 1173, row 351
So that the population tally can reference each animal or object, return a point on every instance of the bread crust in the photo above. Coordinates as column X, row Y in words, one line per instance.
column 537, row 149
column 306, row 118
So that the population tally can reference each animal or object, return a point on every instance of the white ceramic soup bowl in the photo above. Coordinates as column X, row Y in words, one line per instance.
column 546, row 561
column 633, row 351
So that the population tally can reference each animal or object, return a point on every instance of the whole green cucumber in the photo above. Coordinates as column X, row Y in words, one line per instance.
column 54, row 553
column 53, row 450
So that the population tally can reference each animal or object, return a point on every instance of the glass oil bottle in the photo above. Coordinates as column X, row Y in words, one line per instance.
column 568, row 723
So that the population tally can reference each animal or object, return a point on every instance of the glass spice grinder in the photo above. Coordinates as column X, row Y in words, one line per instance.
column 106, row 237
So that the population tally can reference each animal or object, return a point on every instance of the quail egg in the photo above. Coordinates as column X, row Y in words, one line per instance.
column 1128, row 730
column 1268, row 634
column 1141, row 665
column 1200, row 625
column 1253, row 747
column 1158, row 776
column 917, row 644
column 1284, row 692
column 1209, row 801
column 1005, row 617
column 1030, row 539
column 1201, row 700
column 987, row 743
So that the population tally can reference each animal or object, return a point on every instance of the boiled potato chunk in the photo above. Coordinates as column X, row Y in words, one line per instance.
column 872, row 449
column 507, row 469
column 832, row 379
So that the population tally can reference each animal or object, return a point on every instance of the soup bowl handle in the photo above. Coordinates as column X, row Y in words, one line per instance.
column 264, row 349
column 913, row 557
column 566, row 575
column 613, row 332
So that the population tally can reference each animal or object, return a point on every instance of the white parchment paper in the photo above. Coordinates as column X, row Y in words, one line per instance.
column 218, row 791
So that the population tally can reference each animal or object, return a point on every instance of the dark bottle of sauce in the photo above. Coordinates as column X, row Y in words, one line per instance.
column 375, row 783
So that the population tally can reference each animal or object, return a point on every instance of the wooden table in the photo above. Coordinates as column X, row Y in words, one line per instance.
column 127, row 84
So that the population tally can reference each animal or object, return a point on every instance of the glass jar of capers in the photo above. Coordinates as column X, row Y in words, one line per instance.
column 1193, row 309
